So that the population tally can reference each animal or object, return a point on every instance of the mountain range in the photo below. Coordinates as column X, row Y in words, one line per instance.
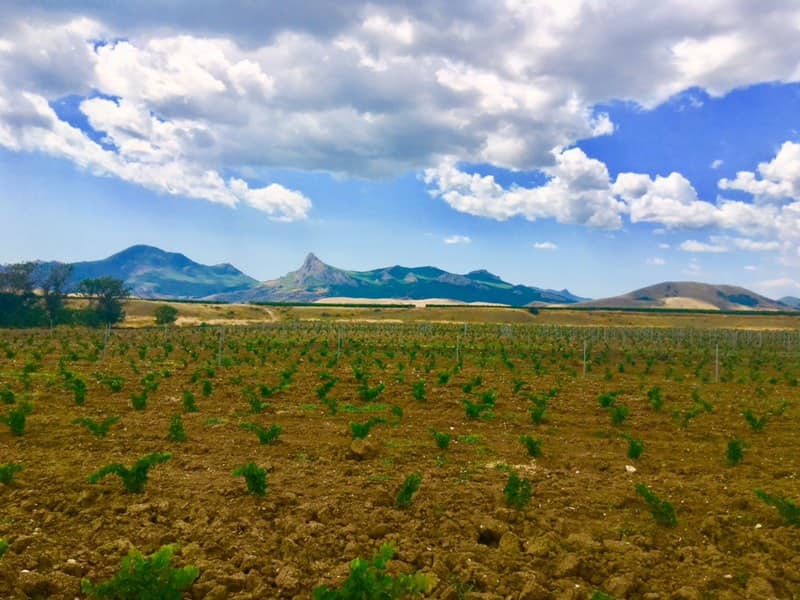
column 150, row 272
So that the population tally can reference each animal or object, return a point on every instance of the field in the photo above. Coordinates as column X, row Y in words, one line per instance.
column 558, row 407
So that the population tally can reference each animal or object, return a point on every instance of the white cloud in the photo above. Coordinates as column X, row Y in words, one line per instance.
column 750, row 268
column 695, row 246
column 457, row 239
column 756, row 246
column 776, row 181
column 717, row 163
column 656, row 261
column 545, row 246
column 578, row 192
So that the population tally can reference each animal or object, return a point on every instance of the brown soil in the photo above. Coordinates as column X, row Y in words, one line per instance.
column 330, row 500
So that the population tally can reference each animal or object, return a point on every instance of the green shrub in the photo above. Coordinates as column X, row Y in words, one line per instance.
column 206, row 388
column 368, row 580
column 489, row 398
column 113, row 383
column 369, row 394
column 139, row 577
column 735, row 452
column 322, row 391
column 418, row 391
column 598, row 595
column 139, row 401
column 517, row 491
column 607, row 399
column 78, row 387
column 756, row 423
column 537, row 410
column 7, row 395
column 265, row 436
column 786, row 507
column 176, row 431
column 254, row 477
column 407, row 490
column 654, row 395
column 134, row 478
column 618, row 414
column 662, row 510
column 17, row 417
column 332, row 404
column 361, row 430
column 444, row 378
column 3, row 547
column 635, row 447
column 442, row 439
column 98, row 429
column 257, row 405
column 7, row 472
column 532, row 445
column 189, row 403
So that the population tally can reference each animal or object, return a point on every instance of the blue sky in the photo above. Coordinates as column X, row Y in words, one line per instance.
column 665, row 146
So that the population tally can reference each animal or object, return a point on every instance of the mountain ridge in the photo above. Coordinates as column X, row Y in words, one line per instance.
column 689, row 295
column 316, row 280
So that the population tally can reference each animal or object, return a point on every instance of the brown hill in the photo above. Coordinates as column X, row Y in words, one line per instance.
column 689, row 295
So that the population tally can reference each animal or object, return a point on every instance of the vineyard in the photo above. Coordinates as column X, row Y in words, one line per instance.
column 454, row 461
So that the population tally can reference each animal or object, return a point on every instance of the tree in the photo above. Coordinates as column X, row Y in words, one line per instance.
column 106, row 296
column 166, row 314
column 53, row 291
column 19, row 305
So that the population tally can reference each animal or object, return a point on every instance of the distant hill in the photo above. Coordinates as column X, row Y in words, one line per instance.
column 315, row 280
column 153, row 273
column 690, row 295
column 790, row 301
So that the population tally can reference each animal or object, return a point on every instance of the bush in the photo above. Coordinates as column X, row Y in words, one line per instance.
column 139, row 401
column 166, row 314
column 139, row 577
column 176, row 430
column 537, row 411
column 189, row 404
column 407, row 490
column 78, row 387
column 418, row 391
column 635, row 447
column 369, row 394
column 265, row 436
column 368, row 581
column 517, row 491
column 662, row 510
column 786, row 507
column 17, row 417
column 735, row 452
column 532, row 445
column 134, row 478
column 361, row 430
column 254, row 477
column 98, row 429
column 756, row 423
column 3, row 547
column 7, row 395
column 442, row 439
column 607, row 399
column 7, row 472
column 654, row 395
column 618, row 414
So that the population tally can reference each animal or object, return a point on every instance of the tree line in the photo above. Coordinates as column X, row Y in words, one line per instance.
column 31, row 298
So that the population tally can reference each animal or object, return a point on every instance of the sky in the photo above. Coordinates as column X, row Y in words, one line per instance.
column 594, row 145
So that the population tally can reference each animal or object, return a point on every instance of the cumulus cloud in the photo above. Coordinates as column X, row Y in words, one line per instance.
column 695, row 246
column 577, row 192
column 452, row 240
column 775, row 181
column 545, row 246
column 192, row 98
column 716, row 164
